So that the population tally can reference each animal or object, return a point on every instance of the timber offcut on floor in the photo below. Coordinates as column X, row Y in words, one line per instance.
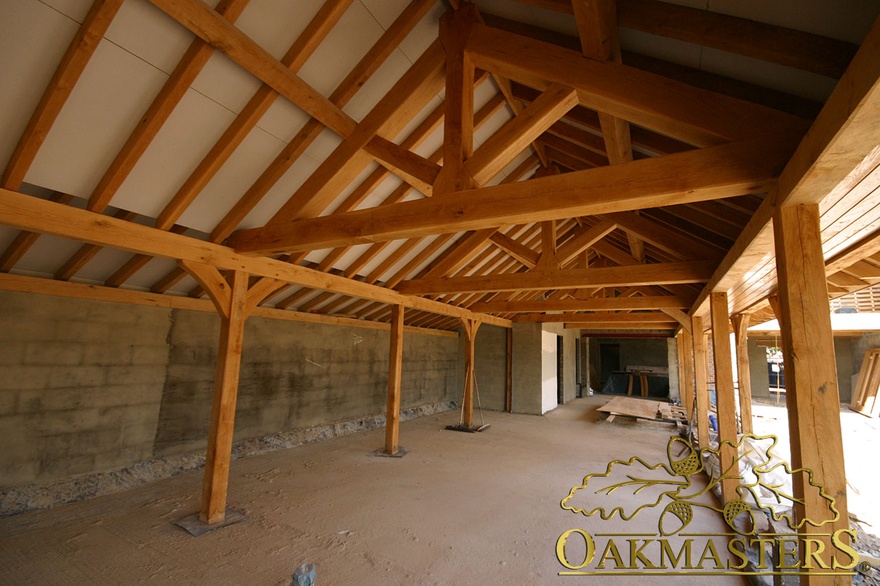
column 458, row 509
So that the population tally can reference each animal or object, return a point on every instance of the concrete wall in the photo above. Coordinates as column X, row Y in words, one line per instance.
column 92, row 386
column 526, row 368
column 530, row 360
column 81, row 387
column 490, row 357
column 843, row 354
column 848, row 353
column 672, row 360
column 858, row 348
column 758, row 370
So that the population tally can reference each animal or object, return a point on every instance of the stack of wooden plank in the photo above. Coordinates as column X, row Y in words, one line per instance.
column 864, row 398
column 643, row 409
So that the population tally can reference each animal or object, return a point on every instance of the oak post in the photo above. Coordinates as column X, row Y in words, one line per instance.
column 740, row 330
column 812, row 395
column 725, row 395
column 701, row 381
column 395, row 372
column 470, row 331
column 219, row 452
column 686, row 370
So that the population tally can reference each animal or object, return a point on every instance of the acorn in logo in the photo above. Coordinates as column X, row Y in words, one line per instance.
column 675, row 517
column 685, row 466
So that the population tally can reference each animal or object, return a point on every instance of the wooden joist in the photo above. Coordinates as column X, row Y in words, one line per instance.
column 672, row 108
column 33, row 214
column 592, row 304
column 211, row 27
column 723, row 171
column 646, row 318
column 78, row 55
column 650, row 274
column 843, row 139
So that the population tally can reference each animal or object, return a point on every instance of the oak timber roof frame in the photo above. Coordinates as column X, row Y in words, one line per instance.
column 613, row 192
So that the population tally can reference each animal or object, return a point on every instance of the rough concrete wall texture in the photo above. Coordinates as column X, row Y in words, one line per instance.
column 758, row 369
column 672, row 360
column 843, row 354
column 861, row 345
column 490, row 356
column 91, row 387
column 295, row 375
column 81, row 387
column 526, row 368
column 528, row 365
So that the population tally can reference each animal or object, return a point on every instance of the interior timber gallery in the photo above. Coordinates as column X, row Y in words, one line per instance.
column 439, row 291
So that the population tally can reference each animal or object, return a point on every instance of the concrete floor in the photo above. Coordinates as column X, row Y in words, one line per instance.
column 458, row 509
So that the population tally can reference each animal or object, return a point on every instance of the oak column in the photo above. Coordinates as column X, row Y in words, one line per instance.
column 470, row 330
column 726, row 399
column 740, row 330
column 686, row 370
column 223, row 409
column 810, row 372
column 701, row 381
column 395, row 373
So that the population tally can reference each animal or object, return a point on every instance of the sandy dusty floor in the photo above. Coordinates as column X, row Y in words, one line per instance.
column 458, row 509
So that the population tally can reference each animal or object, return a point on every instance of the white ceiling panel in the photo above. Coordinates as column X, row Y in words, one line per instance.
column 74, row 9
column 276, row 24
column 379, row 258
column 242, row 169
column 670, row 50
column 104, row 264
column 349, row 40
column 150, row 274
column 408, row 256
column 224, row 82
column 190, row 133
column 47, row 255
column 779, row 77
column 432, row 143
column 431, row 258
column 548, row 19
column 381, row 193
column 350, row 256
column 377, row 86
column 144, row 30
column 113, row 93
column 423, row 34
column 280, row 193
column 184, row 286
column 348, row 190
column 283, row 120
column 491, row 126
column 323, row 146
column 385, row 12
column 316, row 256
column 408, row 129
column 516, row 163
column 282, row 294
column 820, row 17
column 31, row 45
